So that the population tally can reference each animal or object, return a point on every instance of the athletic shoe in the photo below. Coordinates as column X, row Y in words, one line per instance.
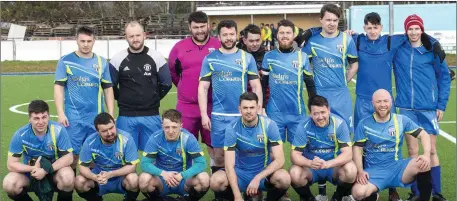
column 412, row 197
column 438, row 197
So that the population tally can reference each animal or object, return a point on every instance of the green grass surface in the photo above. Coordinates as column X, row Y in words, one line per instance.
column 22, row 89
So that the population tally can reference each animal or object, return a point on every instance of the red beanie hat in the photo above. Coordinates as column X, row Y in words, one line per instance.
column 413, row 20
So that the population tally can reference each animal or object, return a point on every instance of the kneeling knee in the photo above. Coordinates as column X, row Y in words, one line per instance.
column 358, row 193
column 282, row 179
column 217, row 183
column 203, row 179
column 131, row 181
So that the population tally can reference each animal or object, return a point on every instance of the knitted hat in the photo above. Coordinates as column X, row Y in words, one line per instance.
column 413, row 20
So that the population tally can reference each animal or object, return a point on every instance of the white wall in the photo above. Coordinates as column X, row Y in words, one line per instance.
column 53, row 50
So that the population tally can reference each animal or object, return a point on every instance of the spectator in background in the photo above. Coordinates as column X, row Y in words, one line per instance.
column 273, row 36
column 214, row 29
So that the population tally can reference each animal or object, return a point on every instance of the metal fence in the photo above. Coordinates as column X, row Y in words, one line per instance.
column 56, row 47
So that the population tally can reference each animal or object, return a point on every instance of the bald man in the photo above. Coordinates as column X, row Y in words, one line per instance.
column 144, row 79
column 381, row 136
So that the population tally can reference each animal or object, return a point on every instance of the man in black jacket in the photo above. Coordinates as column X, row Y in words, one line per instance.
column 144, row 79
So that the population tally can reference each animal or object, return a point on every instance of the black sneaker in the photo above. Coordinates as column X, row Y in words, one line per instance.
column 438, row 197
column 412, row 197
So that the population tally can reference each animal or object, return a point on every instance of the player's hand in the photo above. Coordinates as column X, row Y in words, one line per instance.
column 206, row 122
column 324, row 165
column 62, row 119
column 253, row 187
column 362, row 177
column 350, row 32
column 106, row 175
column 439, row 114
column 169, row 178
column 178, row 177
column 316, row 163
column 424, row 162
column 38, row 173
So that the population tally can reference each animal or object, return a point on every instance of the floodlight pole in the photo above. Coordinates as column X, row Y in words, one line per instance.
column 391, row 17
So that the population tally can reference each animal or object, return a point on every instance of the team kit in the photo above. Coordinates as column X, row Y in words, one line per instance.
column 244, row 102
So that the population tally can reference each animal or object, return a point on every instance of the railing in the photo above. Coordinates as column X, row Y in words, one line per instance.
column 55, row 47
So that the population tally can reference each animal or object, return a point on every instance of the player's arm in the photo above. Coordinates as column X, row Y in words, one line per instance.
column 107, row 86
column 174, row 64
column 359, row 142
column 299, row 144
column 164, row 80
column 308, row 77
column 203, row 87
column 60, row 81
column 424, row 137
column 109, row 99
column 265, row 75
column 14, row 164
column 229, row 156
column 304, row 36
column 352, row 58
column 442, row 76
column 357, row 155
column 114, row 73
column 64, row 161
column 254, row 80
column 85, row 171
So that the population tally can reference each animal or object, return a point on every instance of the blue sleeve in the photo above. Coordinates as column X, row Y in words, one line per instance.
column 106, row 77
column 151, row 146
column 351, row 51
column 265, row 65
column 444, row 82
column 164, row 80
column 359, row 135
column 409, row 126
column 198, row 166
column 115, row 79
column 61, row 72
column 230, row 138
column 16, row 145
column 273, row 133
column 396, row 41
column 85, row 156
column 130, row 152
column 252, row 66
column 147, row 165
column 342, row 134
column 63, row 142
column 206, row 70
column 300, row 138
column 315, row 31
column 307, row 50
column 193, row 147
column 306, row 65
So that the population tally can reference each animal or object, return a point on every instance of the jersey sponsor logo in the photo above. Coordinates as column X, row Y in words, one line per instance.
column 392, row 131
column 118, row 155
column 96, row 67
column 83, row 81
column 260, row 137
column 295, row 64
column 211, row 49
column 282, row 79
column 340, row 48
column 226, row 76
column 147, row 68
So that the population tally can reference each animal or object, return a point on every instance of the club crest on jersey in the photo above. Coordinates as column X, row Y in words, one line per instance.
column 178, row 151
column 392, row 131
column 50, row 147
column 295, row 64
column 211, row 49
column 331, row 137
column 96, row 67
column 118, row 155
column 340, row 48
column 260, row 137
column 147, row 68
column 238, row 61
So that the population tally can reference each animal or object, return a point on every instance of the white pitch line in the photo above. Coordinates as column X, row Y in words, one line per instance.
column 447, row 122
column 14, row 108
column 442, row 133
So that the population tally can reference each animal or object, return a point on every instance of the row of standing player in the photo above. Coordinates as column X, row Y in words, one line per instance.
column 155, row 73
